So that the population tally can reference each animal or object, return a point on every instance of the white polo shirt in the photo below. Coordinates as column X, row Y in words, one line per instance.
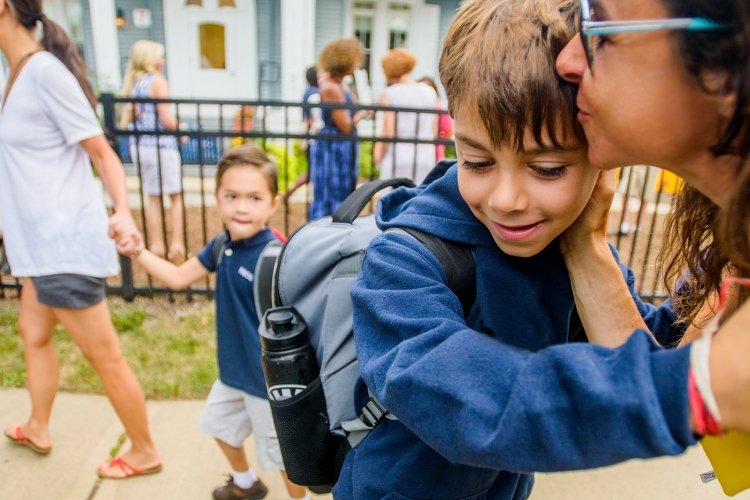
column 54, row 218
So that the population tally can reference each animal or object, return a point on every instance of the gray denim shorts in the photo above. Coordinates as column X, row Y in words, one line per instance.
column 69, row 291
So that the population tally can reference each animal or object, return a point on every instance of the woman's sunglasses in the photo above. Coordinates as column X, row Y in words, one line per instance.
column 590, row 29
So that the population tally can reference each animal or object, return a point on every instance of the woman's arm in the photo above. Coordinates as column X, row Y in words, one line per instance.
column 126, row 118
column 160, row 90
column 388, row 129
column 331, row 93
column 113, row 176
column 604, row 301
column 175, row 277
column 729, row 365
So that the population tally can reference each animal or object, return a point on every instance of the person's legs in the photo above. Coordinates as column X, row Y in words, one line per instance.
column 91, row 329
column 35, row 324
column 236, row 456
column 176, row 246
column 154, row 225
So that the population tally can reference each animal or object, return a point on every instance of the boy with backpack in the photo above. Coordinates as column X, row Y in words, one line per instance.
column 479, row 399
column 246, row 195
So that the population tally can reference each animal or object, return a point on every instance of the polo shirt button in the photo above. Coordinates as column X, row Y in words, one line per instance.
column 228, row 252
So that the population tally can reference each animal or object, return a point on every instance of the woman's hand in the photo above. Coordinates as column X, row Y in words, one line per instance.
column 122, row 228
column 605, row 304
column 591, row 226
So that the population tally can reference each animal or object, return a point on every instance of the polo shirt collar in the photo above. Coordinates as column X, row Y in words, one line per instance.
column 261, row 237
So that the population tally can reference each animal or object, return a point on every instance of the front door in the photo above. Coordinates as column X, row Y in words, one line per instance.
column 211, row 48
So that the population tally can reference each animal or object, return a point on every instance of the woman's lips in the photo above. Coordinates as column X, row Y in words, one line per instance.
column 517, row 233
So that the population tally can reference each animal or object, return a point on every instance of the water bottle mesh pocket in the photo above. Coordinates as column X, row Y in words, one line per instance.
column 312, row 455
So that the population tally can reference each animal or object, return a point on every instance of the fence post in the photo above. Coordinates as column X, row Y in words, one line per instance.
column 108, row 104
column 110, row 132
column 126, row 267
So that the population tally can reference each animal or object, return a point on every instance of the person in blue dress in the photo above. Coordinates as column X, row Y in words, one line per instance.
column 334, row 165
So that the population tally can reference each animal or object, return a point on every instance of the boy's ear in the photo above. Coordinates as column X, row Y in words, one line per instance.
column 275, row 204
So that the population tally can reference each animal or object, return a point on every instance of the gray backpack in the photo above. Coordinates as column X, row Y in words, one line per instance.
column 314, row 274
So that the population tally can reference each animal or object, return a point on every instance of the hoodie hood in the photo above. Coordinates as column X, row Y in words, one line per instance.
column 435, row 207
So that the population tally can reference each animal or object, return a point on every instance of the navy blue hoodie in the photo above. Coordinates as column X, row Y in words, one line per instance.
column 483, row 403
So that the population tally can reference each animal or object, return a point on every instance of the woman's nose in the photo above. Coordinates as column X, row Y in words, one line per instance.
column 572, row 63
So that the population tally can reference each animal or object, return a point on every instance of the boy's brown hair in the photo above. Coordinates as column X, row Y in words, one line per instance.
column 499, row 60
column 249, row 154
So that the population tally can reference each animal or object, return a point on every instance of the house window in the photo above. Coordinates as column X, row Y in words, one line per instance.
column 227, row 3
column 213, row 48
column 363, row 31
column 193, row 3
column 398, row 25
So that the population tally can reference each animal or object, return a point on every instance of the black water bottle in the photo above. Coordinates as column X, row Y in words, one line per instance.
column 288, row 359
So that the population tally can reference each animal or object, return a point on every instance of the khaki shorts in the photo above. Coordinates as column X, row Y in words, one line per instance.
column 231, row 415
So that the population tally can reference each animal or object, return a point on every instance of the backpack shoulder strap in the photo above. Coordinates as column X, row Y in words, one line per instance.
column 263, row 277
column 458, row 264
column 218, row 247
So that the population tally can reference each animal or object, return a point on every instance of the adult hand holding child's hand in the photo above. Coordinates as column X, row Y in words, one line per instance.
column 122, row 228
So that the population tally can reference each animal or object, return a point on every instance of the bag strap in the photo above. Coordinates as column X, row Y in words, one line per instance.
column 458, row 264
column 263, row 277
column 356, row 202
column 218, row 247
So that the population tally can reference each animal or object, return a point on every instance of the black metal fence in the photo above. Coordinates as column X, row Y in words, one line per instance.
column 209, row 128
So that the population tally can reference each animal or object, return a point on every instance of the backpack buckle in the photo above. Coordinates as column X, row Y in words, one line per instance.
column 372, row 413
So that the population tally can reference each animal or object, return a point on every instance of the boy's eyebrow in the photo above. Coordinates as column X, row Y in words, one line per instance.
column 550, row 148
column 470, row 142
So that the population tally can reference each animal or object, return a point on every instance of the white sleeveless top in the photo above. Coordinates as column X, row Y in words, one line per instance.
column 54, row 219
column 411, row 160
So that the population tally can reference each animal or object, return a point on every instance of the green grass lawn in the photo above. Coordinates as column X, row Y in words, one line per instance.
column 171, row 347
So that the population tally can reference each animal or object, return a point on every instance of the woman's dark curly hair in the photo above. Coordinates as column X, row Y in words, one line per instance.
column 707, row 241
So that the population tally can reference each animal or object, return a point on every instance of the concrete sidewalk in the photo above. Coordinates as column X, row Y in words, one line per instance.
column 85, row 428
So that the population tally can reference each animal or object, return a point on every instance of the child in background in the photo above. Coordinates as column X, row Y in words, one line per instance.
column 483, row 401
column 246, row 194
column 156, row 157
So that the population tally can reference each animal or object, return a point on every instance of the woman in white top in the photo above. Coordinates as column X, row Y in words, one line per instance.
column 56, row 229
column 406, row 160
column 160, row 173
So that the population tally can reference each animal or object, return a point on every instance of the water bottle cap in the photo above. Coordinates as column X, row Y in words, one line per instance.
column 281, row 321
column 283, row 329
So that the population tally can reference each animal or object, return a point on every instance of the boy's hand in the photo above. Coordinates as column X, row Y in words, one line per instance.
column 591, row 226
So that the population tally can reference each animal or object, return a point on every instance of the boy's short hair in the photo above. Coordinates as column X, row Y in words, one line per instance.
column 340, row 56
column 397, row 63
column 499, row 59
column 249, row 154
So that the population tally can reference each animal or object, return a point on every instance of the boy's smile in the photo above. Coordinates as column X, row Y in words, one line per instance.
column 525, row 198
column 245, row 201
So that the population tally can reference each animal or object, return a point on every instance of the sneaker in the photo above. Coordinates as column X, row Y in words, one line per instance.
column 231, row 491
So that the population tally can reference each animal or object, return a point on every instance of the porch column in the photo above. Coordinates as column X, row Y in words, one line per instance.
column 106, row 50
column 297, row 46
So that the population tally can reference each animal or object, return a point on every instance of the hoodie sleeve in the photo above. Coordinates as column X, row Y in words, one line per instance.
column 480, row 402
column 662, row 320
